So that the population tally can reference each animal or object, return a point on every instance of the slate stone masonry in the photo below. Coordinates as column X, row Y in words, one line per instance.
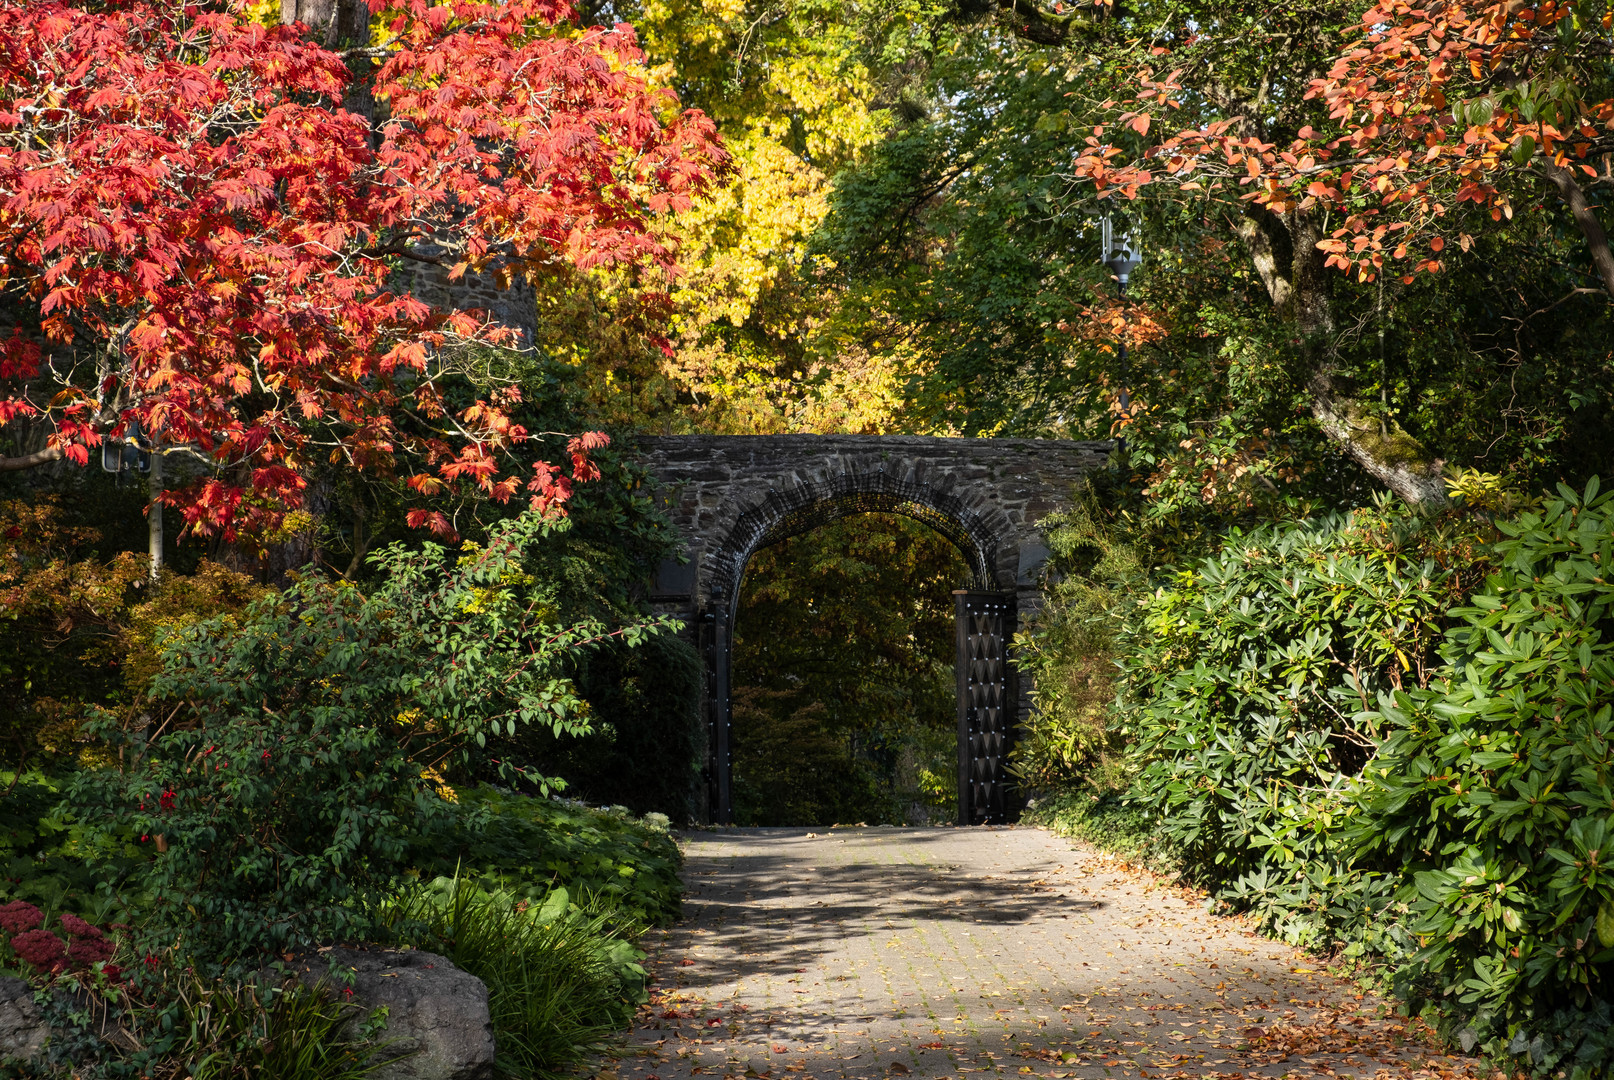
column 993, row 490
column 731, row 495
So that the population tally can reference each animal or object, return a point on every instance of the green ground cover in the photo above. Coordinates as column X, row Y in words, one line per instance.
column 543, row 899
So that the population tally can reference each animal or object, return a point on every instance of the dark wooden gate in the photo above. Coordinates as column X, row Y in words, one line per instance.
column 986, row 706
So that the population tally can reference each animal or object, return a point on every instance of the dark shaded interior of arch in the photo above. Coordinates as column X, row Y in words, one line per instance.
column 802, row 508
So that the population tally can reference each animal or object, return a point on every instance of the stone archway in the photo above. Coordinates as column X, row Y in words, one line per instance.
column 731, row 496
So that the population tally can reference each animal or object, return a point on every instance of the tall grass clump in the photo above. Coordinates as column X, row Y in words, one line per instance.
column 213, row 1029
column 563, row 978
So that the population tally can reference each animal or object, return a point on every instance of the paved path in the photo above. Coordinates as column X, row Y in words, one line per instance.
column 939, row 952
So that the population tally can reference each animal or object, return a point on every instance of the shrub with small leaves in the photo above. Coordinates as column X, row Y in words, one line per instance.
column 295, row 781
column 1068, row 649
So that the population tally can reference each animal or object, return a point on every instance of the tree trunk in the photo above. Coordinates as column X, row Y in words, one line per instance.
column 154, row 513
column 335, row 24
column 1585, row 215
column 1285, row 255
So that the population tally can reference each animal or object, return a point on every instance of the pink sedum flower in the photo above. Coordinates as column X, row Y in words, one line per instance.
column 18, row 917
column 41, row 950
column 86, row 951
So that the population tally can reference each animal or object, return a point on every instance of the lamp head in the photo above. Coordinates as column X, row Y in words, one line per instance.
column 118, row 454
column 1122, row 253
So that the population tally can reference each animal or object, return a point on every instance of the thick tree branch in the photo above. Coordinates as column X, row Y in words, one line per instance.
column 1037, row 22
column 1382, row 448
column 1296, row 282
column 30, row 461
column 333, row 22
column 1586, row 219
column 1264, row 256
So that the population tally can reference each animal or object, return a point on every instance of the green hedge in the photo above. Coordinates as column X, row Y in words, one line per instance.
column 1495, row 794
column 1249, row 683
column 1335, row 724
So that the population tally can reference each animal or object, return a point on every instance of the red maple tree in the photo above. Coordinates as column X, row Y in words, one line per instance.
column 196, row 234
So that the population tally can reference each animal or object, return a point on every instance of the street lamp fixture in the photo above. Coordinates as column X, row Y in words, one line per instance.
column 128, row 453
column 138, row 450
column 1122, row 254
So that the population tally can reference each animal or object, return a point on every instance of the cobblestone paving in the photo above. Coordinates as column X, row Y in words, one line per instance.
column 939, row 952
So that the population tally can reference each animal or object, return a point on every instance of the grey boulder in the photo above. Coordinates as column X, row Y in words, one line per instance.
column 438, row 1027
column 22, row 1027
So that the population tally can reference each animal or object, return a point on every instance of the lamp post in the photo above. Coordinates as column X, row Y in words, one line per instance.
column 1122, row 255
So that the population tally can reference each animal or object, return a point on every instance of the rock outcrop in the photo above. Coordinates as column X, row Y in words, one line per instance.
column 438, row 1027
column 22, row 1026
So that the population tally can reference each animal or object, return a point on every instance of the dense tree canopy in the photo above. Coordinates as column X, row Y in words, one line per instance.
column 1357, row 123
column 201, row 237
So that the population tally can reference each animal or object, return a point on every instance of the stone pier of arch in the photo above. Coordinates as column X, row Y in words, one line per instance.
column 732, row 495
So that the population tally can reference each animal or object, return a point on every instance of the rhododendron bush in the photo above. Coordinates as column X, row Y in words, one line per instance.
column 196, row 235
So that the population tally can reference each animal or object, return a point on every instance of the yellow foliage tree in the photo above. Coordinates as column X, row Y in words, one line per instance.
column 799, row 90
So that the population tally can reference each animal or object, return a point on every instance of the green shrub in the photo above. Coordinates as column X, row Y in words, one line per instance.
column 533, row 845
column 1068, row 650
column 1248, row 692
column 561, row 979
column 211, row 1029
column 55, row 863
column 516, row 849
column 1495, row 792
column 1106, row 820
column 290, row 776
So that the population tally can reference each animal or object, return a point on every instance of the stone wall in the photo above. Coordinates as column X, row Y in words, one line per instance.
column 515, row 306
column 732, row 495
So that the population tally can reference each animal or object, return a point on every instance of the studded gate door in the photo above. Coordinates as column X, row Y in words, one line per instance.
column 986, row 705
